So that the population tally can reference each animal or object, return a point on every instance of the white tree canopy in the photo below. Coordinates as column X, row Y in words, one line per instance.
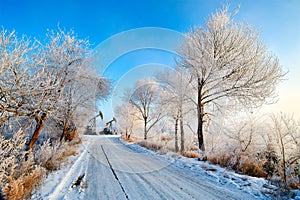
column 145, row 98
column 228, row 62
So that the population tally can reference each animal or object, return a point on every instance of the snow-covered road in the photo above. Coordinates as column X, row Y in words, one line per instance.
column 115, row 171
column 106, row 168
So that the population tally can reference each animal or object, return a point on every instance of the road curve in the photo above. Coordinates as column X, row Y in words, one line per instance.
column 115, row 171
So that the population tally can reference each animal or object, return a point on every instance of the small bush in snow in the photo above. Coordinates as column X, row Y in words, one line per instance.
column 46, row 155
column 50, row 156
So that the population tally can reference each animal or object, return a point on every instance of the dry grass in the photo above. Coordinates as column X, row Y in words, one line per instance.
column 23, row 171
column 19, row 174
column 150, row 145
column 54, row 162
column 293, row 185
column 131, row 139
column 50, row 156
column 21, row 187
column 128, row 138
column 73, row 138
column 190, row 154
column 223, row 161
column 67, row 151
column 252, row 169
column 51, row 165
column 239, row 164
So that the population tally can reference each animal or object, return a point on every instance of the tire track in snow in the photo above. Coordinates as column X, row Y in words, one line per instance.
column 66, row 182
column 121, row 173
column 114, row 173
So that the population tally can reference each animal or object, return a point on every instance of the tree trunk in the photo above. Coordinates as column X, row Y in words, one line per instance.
column 182, row 140
column 299, row 172
column 200, row 116
column 176, row 135
column 284, row 170
column 64, row 133
column 145, row 128
column 200, row 133
column 38, row 128
column 283, row 163
column 67, row 120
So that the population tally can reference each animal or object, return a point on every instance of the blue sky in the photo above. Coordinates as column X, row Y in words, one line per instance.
column 278, row 22
column 97, row 20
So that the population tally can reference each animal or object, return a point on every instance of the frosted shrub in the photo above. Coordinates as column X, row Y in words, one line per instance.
column 18, row 173
column 48, row 155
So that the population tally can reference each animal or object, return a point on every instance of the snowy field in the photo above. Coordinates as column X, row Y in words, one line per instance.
column 106, row 168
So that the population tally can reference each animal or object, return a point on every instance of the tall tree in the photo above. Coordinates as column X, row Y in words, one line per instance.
column 61, row 58
column 144, row 98
column 76, row 99
column 176, row 86
column 228, row 63
column 37, row 80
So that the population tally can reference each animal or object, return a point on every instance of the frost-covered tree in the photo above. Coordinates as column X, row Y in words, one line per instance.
column 46, row 81
column 125, row 113
column 243, row 135
column 76, row 101
column 287, row 138
column 229, row 64
column 176, row 86
column 61, row 58
column 145, row 99
column 15, row 75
